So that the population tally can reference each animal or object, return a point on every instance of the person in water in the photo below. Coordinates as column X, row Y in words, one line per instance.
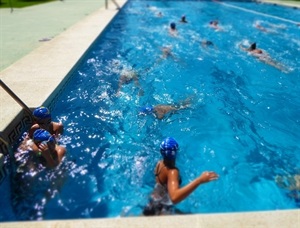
column 127, row 76
column 167, row 190
column 173, row 29
column 42, row 117
column 44, row 146
column 166, row 53
column 183, row 19
column 215, row 25
column 290, row 183
column 161, row 110
column 263, row 56
column 207, row 43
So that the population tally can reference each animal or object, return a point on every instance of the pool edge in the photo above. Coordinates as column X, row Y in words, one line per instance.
column 272, row 219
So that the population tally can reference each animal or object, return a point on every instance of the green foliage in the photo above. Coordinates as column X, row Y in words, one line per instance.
column 21, row 3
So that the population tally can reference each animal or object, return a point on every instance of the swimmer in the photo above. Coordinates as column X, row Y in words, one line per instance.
column 270, row 28
column 44, row 145
column 215, row 25
column 207, row 43
column 43, row 120
column 291, row 183
column 183, row 19
column 263, row 56
column 173, row 29
column 159, row 14
column 128, row 76
column 166, row 52
column 261, row 28
column 167, row 190
column 161, row 110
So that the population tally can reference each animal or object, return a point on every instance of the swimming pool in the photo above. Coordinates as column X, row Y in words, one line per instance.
column 242, row 123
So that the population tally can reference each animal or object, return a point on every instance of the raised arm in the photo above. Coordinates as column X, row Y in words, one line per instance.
column 178, row 194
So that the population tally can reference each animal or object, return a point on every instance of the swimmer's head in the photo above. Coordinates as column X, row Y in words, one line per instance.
column 41, row 113
column 168, row 148
column 146, row 110
column 183, row 18
column 253, row 46
column 209, row 43
column 42, row 136
column 173, row 26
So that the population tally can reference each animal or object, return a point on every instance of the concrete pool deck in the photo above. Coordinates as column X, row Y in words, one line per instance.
column 37, row 57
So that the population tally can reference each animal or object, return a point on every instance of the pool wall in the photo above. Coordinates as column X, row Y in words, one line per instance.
column 36, row 84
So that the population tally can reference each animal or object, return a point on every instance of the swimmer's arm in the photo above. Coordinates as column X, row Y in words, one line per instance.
column 32, row 130
column 243, row 48
column 178, row 194
column 51, row 163
column 137, row 84
column 136, row 81
column 58, row 128
column 119, row 86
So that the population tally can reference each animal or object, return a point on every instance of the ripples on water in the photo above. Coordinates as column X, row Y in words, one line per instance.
column 243, row 122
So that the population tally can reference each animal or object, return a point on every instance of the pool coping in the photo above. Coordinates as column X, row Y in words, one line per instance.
column 54, row 52
column 267, row 219
column 284, row 3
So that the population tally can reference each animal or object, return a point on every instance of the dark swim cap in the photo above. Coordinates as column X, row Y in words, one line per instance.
column 173, row 25
column 41, row 113
column 42, row 135
column 168, row 148
column 253, row 46
column 208, row 42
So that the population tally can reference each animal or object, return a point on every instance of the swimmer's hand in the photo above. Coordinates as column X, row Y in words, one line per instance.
column 43, row 147
column 208, row 176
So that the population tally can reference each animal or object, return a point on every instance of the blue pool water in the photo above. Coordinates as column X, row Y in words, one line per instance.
column 243, row 122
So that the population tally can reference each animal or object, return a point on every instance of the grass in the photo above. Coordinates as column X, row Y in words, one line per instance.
column 21, row 3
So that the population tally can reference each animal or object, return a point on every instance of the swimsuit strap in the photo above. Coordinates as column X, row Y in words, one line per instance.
column 157, row 172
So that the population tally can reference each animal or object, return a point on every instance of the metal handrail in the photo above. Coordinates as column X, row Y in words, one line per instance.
column 114, row 1
column 15, row 97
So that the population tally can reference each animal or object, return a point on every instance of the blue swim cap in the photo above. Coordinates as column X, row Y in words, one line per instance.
column 41, row 113
column 147, row 109
column 168, row 148
column 42, row 135
column 173, row 25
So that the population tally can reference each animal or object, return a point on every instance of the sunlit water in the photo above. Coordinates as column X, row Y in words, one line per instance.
column 243, row 122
